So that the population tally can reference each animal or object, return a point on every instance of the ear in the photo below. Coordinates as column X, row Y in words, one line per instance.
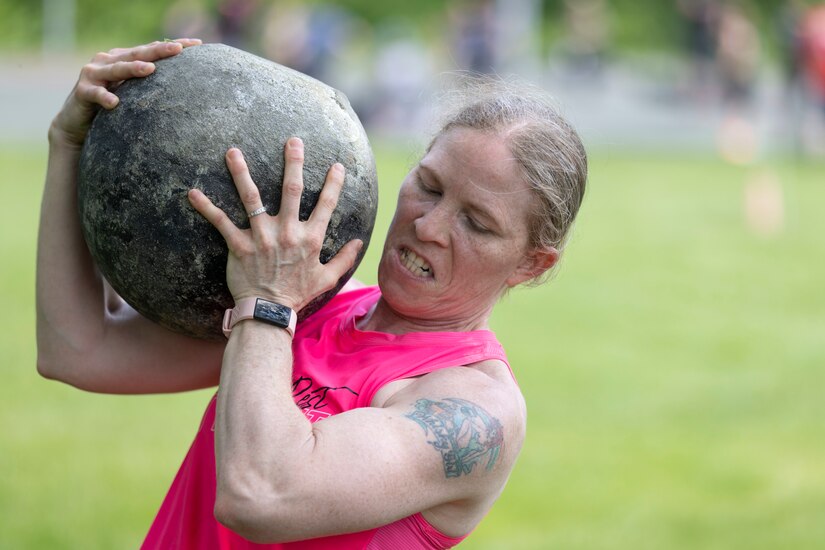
column 536, row 262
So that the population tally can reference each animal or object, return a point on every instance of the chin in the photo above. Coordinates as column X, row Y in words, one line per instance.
column 402, row 298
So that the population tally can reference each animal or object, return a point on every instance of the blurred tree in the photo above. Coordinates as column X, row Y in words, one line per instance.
column 636, row 24
column 21, row 24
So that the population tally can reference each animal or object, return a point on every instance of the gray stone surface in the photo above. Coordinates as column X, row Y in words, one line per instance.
column 170, row 133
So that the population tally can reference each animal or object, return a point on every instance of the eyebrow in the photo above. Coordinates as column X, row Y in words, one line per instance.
column 475, row 208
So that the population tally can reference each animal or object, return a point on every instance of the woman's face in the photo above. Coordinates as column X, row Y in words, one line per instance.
column 459, row 236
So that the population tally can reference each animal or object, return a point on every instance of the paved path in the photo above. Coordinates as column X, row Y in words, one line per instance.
column 31, row 93
column 623, row 108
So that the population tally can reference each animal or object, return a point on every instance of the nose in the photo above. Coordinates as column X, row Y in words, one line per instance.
column 434, row 226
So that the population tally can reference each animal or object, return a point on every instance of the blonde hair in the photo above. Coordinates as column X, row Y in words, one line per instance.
column 547, row 148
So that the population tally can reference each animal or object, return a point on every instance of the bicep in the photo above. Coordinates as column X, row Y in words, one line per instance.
column 450, row 444
column 376, row 465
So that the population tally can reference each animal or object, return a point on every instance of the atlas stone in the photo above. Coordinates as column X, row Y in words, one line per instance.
column 170, row 133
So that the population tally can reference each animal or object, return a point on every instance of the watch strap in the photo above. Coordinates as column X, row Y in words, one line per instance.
column 262, row 310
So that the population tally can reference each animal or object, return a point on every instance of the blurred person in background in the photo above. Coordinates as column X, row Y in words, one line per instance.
column 737, row 56
column 789, row 32
column 285, row 38
column 700, row 18
column 738, row 50
column 234, row 23
column 587, row 36
column 190, row 18
column 308, row 38
column 474, row 34
column 813, row 61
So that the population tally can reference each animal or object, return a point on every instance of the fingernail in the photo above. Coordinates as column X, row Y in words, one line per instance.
column 234, row 154
column 295, row 142
column 338, row 167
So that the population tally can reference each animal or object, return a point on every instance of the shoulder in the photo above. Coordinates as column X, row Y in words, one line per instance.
column 487, row 380
column 481, row 398
column 473, row 420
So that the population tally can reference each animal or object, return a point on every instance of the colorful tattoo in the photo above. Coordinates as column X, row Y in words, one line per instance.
column 464, row 433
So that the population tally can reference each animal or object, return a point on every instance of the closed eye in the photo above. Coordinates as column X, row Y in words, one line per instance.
column 430, row 190
column 477, row 226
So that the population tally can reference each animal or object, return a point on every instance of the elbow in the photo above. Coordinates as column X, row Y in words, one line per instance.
column 63, row 361
column 266, row 505
column 48, row 368
column 253, row 515
column 52, row 359
column 54, row 368
column 232, row 515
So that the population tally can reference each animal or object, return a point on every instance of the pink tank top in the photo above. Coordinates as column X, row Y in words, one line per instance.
column 336, row 368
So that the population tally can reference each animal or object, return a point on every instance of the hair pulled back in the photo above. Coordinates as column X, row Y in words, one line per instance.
column 547, row 148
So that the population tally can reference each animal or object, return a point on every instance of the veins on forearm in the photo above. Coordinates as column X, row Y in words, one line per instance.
column 464, row 433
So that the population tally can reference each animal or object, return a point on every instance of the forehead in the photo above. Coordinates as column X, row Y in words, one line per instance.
column 480, row 161
column 479, row 172
column 483, row 157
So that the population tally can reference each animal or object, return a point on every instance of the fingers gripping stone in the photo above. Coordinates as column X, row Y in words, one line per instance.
column 170, row 133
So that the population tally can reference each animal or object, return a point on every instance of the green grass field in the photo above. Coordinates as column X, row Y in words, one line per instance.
column 673, row 369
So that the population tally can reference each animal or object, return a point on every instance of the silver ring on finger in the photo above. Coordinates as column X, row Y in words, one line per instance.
column 257, row 212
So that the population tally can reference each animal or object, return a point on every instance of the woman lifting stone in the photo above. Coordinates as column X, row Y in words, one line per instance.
column 391, row 417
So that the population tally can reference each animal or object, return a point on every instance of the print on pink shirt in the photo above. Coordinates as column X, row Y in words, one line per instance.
column 312, row 399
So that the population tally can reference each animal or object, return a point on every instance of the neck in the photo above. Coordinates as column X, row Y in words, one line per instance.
column 383, row 318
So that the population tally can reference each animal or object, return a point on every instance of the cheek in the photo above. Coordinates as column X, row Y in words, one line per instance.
column 499, row 258
column 477, row 254
column 409, row 208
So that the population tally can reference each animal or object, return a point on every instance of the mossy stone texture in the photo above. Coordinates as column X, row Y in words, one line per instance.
column 170, row 133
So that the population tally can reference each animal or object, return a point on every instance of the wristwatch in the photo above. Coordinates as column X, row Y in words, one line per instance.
column 260, row 310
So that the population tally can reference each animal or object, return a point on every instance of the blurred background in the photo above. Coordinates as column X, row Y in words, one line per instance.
column 674, row 366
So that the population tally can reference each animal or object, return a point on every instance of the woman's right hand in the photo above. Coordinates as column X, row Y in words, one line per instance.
column 99, row 78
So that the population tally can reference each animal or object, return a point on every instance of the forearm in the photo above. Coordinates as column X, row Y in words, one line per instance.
column 266, row 449
column 261, row 437
column 70, row 301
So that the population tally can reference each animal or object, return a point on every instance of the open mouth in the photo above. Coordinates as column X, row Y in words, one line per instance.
column 415, row 264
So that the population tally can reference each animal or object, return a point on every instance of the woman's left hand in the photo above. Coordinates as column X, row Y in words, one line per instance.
column 278, row 258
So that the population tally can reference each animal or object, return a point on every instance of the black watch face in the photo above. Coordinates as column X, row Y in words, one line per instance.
column 272, row 313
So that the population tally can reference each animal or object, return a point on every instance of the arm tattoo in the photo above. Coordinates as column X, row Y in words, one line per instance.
column 464, row 433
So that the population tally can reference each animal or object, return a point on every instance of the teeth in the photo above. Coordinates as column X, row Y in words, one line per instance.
column 415, row 263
